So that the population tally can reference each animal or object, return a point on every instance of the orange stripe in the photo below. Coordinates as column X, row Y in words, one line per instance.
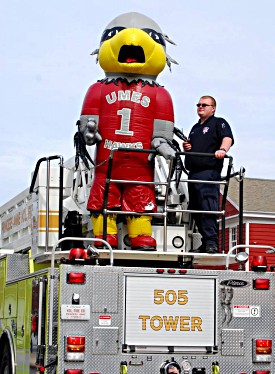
column 53, row 221
column 50, row 230
column 51, row 211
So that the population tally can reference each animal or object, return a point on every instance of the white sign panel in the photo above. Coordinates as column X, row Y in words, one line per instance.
column 170, row 311
column 246, row 311
column 104, row 320
column 79, row 312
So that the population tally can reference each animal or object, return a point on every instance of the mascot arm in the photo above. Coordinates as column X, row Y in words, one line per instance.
column 89, row 129
column 163, row 148
column 164, row 125
column 162, row 138
column 90, row 115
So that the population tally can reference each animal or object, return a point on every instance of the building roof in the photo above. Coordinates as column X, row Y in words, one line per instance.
column 258, row 194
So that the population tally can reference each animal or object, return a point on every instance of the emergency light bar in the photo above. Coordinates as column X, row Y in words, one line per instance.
column 259, row 263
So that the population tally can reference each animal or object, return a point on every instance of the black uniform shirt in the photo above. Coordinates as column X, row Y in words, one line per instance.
column 207, row 138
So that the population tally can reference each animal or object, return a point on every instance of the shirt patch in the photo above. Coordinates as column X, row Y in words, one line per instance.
column 223, row 125
column 205, row 130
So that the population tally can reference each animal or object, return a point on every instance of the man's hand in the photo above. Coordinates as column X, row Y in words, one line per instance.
column 220, row 153
column 187, row 146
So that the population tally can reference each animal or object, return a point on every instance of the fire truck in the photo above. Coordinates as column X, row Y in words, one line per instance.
column 69, row 307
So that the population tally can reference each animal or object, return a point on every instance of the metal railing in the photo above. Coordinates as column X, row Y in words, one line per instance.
column 231, row 250
column 35, row 174
column 167, row 184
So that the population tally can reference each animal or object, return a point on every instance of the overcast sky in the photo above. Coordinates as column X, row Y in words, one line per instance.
column 224, row 48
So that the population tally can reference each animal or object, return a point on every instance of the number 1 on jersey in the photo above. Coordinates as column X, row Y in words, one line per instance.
column 125, row 114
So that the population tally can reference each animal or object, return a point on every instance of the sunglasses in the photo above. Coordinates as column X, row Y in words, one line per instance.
column 203, row 105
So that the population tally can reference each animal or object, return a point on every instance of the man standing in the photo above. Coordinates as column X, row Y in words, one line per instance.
column 210, row 135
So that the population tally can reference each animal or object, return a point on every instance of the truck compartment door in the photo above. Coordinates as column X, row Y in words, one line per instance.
column 170, row 313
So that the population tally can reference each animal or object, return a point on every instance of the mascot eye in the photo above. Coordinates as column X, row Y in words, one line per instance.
column 156, row 36
column 109, row 33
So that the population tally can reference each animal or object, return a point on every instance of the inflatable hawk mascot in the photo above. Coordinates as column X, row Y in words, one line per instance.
column 128, row 109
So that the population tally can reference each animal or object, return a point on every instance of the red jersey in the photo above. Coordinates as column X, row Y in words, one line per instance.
column 126, row 114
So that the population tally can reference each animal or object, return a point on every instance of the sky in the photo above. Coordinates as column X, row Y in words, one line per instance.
column 224, row 48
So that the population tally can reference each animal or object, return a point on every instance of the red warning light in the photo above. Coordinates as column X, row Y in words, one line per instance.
column 259, row 263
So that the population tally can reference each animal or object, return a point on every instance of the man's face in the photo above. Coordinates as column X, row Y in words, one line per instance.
column 207, row 110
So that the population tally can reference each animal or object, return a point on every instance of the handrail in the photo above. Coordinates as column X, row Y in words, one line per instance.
column 37, row 168
column 244, row 246
column 226, row 183
column 167, row 184
column 60, row 205
column 241, row 174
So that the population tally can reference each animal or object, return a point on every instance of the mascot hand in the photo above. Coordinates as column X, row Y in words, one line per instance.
column 162, row 146
column 90, row 132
